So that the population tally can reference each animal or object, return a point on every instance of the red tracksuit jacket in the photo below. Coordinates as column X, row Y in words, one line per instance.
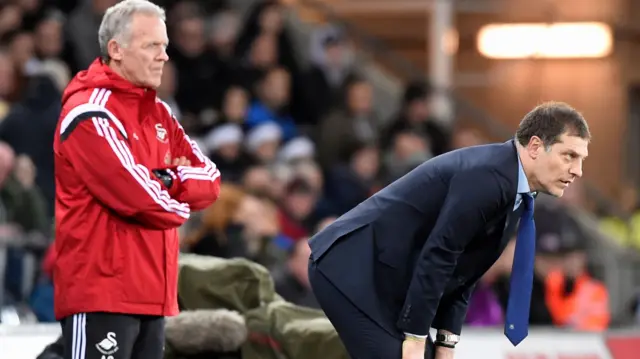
column 116, row 224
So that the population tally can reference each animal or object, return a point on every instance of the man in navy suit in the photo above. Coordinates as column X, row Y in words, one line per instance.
column 407, row 259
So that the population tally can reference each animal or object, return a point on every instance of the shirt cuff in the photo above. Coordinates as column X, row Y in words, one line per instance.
column 421, row 337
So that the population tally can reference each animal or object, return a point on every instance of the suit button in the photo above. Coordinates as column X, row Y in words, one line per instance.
column 405, row 315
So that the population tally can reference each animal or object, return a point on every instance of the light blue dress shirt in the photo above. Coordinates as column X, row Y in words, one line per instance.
column 523, row 185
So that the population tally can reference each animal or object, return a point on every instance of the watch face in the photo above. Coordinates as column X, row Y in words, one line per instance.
column 449, row 338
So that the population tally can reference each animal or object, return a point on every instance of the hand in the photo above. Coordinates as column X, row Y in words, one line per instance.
column 181, row 161
column 413, row 349
column 444, row 353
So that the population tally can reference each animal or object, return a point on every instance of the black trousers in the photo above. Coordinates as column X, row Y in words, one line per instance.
column 363, row 338
column 113, row 336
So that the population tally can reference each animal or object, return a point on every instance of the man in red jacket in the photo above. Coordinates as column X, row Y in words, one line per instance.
column 127, row 176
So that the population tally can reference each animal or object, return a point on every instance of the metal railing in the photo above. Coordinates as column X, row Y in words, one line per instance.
column 407, row 70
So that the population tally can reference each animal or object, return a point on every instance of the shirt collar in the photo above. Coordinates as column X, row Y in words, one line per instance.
column 523, row 182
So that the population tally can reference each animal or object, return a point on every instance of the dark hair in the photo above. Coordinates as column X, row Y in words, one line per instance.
column 416, row 90
column 251, row 29
column 299, row 185
column 551, row 120
column 352, row 80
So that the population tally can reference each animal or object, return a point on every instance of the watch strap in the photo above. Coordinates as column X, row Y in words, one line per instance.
column 444, row 345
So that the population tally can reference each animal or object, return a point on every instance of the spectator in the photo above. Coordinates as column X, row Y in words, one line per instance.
column 32, row 12
column 29, row 128
column 50, row 47
column 234, row 106
column 292, row 279
column 198, row 88
column 353, row 182
column 625, row 231
column 49, row 37
column 267, row 18
column 415, row 115
column 22, row 203
column 23, row 222
column 354, row 123
column 256, row 222
column 262, row 56
column 322, row 85
column 10, row 18
column 21, row 51
column 262, row 142
column 262, row 182
column 224, row 146
column 299, row 149
column 272, row 103
column 22, row 46
column 224, row 29
column 81, row 30
column 296, row 209
column 312, row 173
column 575, row 299
column 407, row 152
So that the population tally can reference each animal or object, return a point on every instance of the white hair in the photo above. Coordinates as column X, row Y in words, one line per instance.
column 117, row 20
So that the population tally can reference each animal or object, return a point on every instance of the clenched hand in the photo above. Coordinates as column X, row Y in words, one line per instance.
column 181, row 161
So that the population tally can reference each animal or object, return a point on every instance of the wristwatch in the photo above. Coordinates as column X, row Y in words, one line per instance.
column 447, row 338
column 166, row 176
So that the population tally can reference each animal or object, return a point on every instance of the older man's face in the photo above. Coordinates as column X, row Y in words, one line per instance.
column 144, row 54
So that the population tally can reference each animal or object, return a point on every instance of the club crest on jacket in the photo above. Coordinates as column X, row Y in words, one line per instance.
column 161, row 133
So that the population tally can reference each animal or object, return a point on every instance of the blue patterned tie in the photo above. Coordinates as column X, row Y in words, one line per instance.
column 517, row 317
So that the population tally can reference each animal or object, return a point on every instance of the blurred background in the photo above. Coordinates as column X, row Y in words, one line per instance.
column 310, row 106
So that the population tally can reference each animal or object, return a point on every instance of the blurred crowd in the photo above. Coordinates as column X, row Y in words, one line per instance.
column 297, row 146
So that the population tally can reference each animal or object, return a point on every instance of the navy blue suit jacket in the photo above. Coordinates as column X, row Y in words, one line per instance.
column 410, row 255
